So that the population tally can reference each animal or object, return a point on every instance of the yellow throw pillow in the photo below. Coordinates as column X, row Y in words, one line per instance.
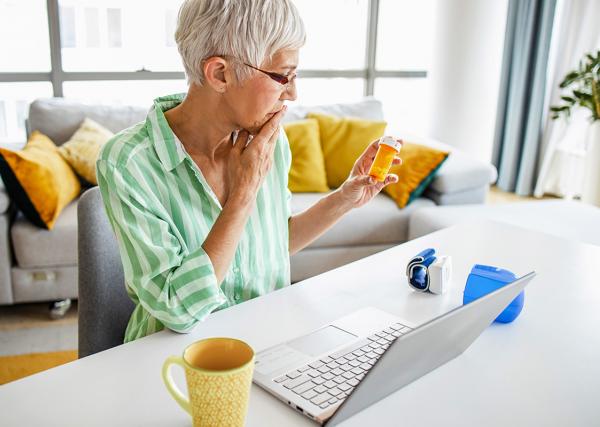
column 38, row 180
column 343, row 139
column 419, row 166
column 307, row 173
column 81, row 151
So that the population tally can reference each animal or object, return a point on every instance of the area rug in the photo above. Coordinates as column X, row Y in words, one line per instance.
column 15, row 367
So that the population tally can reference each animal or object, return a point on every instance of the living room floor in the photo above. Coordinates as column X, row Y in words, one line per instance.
column 496, row 196
column 27, row 329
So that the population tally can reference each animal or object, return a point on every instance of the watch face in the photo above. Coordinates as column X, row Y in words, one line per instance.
column 418, row 277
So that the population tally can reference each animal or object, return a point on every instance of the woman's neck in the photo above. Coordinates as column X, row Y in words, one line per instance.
column 201, row 124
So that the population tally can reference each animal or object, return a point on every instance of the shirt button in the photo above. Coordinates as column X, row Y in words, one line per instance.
column 236, row 296
column 236, row 270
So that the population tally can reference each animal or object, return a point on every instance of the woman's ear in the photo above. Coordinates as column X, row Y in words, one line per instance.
column 215, row 73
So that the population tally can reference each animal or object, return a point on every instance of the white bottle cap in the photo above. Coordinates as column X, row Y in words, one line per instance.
column 390, row 141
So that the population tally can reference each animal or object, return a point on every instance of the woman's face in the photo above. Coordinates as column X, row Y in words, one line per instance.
column 257, row 98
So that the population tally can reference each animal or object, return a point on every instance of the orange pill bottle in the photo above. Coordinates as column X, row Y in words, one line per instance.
column 388, row 149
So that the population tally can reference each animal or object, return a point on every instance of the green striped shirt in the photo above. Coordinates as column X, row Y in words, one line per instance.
column 162, row 209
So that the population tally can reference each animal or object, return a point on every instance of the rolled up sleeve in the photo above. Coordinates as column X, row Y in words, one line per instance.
column 176, row 285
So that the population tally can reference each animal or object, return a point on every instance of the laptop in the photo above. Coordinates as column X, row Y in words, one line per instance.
column 338, row 370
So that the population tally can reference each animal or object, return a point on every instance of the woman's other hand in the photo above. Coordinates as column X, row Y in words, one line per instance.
column 250, row 163
column 360, row 188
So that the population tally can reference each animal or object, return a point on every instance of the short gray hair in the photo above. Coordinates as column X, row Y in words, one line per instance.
column 249, row 30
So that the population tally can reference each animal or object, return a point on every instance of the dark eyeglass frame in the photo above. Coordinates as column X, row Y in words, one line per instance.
column 279, row 78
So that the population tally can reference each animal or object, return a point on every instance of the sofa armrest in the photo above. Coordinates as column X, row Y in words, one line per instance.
column 468, row 197
column 462, row 179
column 4, row 199
column 6, row 294
column 461, row 173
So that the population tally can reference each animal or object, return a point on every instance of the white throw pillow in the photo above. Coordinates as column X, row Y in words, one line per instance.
column 368, row 108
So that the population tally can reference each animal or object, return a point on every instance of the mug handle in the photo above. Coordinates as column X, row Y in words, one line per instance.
column 171, row 387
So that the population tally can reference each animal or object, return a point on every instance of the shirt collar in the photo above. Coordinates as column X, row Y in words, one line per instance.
column 169, row 149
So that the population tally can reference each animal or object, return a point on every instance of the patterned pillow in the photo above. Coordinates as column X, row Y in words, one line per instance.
column 81, row 151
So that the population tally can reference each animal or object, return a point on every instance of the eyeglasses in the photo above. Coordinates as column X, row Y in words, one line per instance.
column 279, row 78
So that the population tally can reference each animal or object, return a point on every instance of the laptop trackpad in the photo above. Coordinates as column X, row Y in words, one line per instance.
column 321, row 341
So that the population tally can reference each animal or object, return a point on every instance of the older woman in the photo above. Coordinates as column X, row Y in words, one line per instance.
column 197, row 194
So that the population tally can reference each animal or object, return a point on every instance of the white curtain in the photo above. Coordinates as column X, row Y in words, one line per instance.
column 577, row 31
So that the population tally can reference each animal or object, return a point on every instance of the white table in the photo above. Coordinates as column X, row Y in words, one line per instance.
column 543, row 369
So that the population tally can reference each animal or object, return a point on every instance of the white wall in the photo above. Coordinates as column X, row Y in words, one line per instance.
column 465, row 75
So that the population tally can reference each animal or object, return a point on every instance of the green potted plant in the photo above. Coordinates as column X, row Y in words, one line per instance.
column 582, row 90
column 584, row 86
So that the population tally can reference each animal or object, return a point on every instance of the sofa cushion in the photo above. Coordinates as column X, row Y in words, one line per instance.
column 6, row 293
column 378, row 222
column 45, row 284
column 59, row 118
column 368, row 108
column 36, row 247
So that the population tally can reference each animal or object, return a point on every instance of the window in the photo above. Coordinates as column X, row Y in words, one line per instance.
column 170, row 26
column 122, row 92
column 324, row 91
column 67, row 27
column 405, row 42
column 92, row 27
column 118, row 38
column 113, row 22
column 335, row 34
column 3, row 128
column 15, row 98
column 24, row 40
column 405, row 34
column 111, row 53
column 405, row 104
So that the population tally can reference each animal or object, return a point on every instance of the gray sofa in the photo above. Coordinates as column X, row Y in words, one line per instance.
column 41, row 265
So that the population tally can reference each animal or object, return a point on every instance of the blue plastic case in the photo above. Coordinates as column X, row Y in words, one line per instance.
column 484, row 279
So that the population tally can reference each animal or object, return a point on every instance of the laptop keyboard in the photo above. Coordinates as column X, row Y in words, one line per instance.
column 330, row 380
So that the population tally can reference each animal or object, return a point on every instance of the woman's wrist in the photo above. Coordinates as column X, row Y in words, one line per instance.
column 242, row 201
column 340, row 203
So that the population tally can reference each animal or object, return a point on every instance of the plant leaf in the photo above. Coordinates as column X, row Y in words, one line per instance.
column 582, row 95
column 569, row 78
column 568, row 99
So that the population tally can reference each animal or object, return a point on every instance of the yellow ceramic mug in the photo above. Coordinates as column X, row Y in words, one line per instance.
column 218, row 373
